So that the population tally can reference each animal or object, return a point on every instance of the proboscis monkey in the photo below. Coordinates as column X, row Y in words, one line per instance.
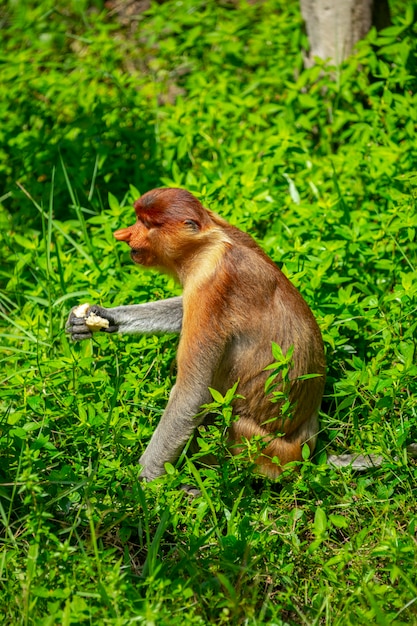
column 235, row 303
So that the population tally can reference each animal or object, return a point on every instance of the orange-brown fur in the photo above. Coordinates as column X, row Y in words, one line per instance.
column 236, row 302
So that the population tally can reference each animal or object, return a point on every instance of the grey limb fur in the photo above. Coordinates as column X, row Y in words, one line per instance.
column 363, row 462
column 162, row 316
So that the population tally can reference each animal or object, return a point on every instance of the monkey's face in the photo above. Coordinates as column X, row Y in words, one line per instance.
column 164, row 245
column 171, row 225
column 142, row 250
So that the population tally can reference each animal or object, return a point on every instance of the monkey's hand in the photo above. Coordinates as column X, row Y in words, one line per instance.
column 84, row 320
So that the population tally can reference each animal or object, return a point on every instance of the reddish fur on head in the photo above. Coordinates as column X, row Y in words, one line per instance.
column 170, row 206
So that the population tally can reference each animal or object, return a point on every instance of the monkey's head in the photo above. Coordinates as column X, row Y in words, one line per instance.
column 170, row 225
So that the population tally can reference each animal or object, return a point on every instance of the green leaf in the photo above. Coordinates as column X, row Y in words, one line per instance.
column 216, row 395
column 113, row 202
column 340, row 521
column 306, row 452
column 320, row 522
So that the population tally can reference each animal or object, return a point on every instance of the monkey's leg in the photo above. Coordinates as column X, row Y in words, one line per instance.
column 176, row 426
column 363, row 462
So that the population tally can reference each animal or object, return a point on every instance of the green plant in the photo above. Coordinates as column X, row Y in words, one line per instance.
column 321, row 168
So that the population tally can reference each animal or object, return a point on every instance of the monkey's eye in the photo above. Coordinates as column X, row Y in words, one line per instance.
column 146, row 223
column 192, row 224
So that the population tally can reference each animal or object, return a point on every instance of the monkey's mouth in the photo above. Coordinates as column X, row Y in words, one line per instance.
column 136, row 253
column 138, row 256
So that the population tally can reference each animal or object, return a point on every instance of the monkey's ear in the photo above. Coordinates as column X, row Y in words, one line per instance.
column 193, row 225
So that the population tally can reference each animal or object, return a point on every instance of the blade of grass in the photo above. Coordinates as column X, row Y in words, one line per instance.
column 28, row 334
column 58, row 228
column 204, row 492
column 93, row 179
column 69, row 295
column 6, row 523
column 150, row 567
column 78, row 211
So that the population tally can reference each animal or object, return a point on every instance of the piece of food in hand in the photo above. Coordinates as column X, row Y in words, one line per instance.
column 95, row 322
column 81, row 310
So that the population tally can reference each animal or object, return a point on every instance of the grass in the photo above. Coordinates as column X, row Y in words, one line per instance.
column 321, row 167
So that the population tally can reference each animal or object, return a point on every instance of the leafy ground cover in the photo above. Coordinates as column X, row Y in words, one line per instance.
column 101, row 103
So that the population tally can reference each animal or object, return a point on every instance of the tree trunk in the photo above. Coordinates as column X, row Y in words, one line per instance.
column 334, row 26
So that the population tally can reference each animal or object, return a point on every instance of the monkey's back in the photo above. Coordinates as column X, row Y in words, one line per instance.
column 261, row 306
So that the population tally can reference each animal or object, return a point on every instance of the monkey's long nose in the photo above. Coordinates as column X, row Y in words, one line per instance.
column 124, row 234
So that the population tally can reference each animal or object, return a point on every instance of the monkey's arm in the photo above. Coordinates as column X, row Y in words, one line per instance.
column 162, row 316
